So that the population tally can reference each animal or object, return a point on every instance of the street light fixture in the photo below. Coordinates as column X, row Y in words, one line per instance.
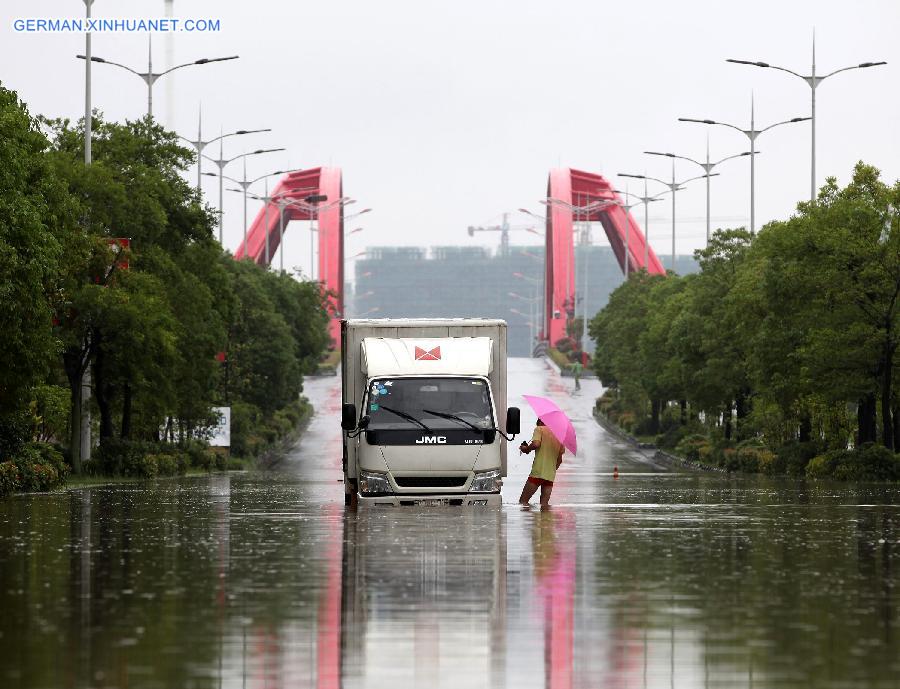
column 673, row 187
column 752, row 135
column 281, row 200
column 223, row 162
column 200, row 144
column 150, row 77
column 357, row 214
column 246, row 184
column 310, row 205
column 707, row 168
column 813, row 82
column 536, row 300
column 646, row 200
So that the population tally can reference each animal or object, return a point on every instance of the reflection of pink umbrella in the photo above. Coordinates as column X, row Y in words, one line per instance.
column 555, row 419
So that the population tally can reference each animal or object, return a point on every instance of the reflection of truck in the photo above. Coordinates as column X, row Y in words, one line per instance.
column 424, row 410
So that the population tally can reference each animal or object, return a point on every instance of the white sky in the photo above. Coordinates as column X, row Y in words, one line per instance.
column 444, row 115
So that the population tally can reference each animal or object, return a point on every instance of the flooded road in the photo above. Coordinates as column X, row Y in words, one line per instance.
column 654, row 579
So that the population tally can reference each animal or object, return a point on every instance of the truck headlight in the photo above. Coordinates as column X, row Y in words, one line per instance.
column 486, row 482
column 374, row 482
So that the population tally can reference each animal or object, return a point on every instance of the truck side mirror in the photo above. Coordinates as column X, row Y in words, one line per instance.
column 348, row 416
column 513, row 424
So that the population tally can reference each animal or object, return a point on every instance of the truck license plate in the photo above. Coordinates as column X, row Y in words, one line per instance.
column 432, row 502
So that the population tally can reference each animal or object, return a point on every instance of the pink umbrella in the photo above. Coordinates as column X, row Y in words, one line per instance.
column 555, row 419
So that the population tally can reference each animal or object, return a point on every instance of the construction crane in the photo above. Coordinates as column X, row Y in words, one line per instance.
column 504, row 228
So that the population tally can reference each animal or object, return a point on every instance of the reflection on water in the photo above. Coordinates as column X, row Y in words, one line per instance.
column 239, row 582
column 654, row 579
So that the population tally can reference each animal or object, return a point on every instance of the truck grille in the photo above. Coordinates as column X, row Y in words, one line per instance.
column 431, row 481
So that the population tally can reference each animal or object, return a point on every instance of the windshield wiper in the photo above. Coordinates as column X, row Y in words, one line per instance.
column 408, row 417
column 453, row 417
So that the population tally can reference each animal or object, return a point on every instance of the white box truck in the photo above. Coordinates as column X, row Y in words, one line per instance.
column 424, row 411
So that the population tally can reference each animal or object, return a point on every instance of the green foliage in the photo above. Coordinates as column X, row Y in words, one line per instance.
column 36, row 467
column 10, row 479
column 785, row 338
column 35, row 216
column 149, row 320
column 690, row 446
column 672, row 437
column 50, row 409
column 793, row 458
column 871, row 462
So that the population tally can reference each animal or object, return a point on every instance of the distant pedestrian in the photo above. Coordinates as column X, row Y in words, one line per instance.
column 548, row 452
column 576, row 371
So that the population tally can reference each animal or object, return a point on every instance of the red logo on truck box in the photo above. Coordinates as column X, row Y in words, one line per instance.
column 428, row 355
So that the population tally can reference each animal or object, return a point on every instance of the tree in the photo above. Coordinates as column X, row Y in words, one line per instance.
column 35, row 215
column 263, row 368
column 834, row 269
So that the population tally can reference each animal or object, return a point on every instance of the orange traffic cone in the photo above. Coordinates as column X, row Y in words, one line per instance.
column 615, row 472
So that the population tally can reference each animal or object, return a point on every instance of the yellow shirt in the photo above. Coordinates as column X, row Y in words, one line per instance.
column 545, row 456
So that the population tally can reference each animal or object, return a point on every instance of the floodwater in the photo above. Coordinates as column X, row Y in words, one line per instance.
column 655, row 579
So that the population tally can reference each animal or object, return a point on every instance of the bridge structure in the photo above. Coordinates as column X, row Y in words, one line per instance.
column 315, row 195
column 575, row 196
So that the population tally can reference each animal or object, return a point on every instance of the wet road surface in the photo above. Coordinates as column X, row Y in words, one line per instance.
column 654, row 579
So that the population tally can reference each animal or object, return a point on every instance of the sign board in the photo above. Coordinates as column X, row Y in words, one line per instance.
column 220, row 433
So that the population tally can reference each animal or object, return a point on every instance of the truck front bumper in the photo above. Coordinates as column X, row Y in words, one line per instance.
column 467, row 499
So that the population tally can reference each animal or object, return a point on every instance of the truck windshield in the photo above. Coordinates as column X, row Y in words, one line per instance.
column 432, row 401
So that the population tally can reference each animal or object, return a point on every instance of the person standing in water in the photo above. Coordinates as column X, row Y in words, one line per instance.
column 576, row 371
column 548, row 452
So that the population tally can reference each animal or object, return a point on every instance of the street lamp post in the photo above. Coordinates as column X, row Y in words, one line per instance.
column 673, row 187
column 277, row 199
column 529, row 321
column 537, row 292
column 586, row 210
column 81, row 450
column 708, row 167
column 200, row 144
column 150, row 77
column 752, row 134
column 532, row 309
column 245, row 184
column 813, row 82
column 223, row 162
column 646, row 200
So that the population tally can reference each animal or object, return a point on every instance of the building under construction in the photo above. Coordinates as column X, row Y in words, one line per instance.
column 465, row 282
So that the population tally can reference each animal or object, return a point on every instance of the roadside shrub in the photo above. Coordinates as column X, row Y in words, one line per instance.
column 52, row 456
column 645, row 427
column 200, row 455
column 245, row 418
column 671, row 438
column 626, row 421
column 221, row 461
column 690, row 447
column 792, row 459
column 871, row 462
column 146, row 467
column 166, row 464
column 35, row 467
column 37, row 472
column 118, row 457
column 752, row 458
column 728, row 459
column 10, row 479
